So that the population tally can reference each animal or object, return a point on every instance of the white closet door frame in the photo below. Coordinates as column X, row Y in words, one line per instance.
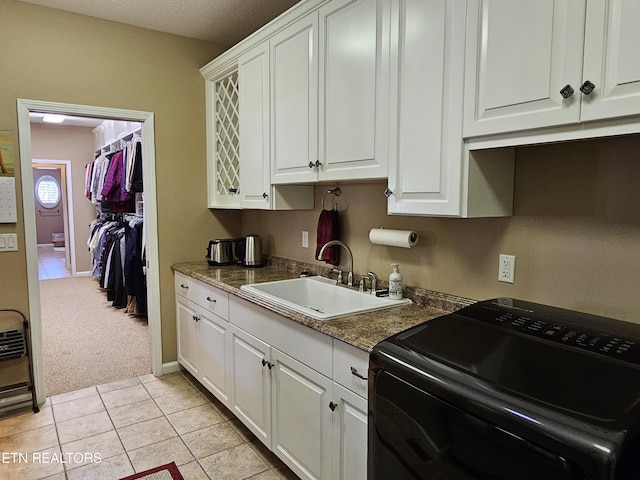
column 24, row 107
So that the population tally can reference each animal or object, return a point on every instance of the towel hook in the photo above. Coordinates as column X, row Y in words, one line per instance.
column 336, row 192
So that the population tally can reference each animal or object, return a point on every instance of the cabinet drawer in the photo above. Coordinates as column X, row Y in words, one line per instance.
column 214, row 300
column 350, row 364
column 186, row 286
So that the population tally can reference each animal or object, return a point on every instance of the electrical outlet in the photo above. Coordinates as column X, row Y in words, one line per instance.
column 507, row 268
column 305, row 239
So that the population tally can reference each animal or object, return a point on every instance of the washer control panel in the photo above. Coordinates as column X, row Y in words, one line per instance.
column 597, row 341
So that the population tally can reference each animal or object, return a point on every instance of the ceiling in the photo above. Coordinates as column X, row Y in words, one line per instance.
column 225, row 22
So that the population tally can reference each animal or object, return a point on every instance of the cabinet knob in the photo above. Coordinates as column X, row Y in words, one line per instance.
column 211, row 299
column 268, row 364
column 388, row 192
column 182, row 285
column 318, row 164
column 587, row 87
column 567, row 91
column 311, row 165
column 264, row 195
column 354, row 371
column 195, row 317
column 333, row 406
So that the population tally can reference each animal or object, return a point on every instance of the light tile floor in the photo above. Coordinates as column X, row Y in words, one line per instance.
column 117, row 429
column 51, row 263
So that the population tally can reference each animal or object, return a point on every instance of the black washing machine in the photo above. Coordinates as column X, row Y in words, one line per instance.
column 507, row 390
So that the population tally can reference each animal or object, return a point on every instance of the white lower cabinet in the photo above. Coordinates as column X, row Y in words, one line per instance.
column 301, row 409
column 349, row 434
column 251, row 383
column 302, row 393
column 212, row 357
column 203, row 335
column 187, row 334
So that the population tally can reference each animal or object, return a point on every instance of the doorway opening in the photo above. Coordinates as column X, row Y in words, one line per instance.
column 53, row 190
column 25, row 107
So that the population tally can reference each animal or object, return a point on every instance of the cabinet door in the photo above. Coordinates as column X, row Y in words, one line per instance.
column 212, row 356
column 186, row 326
column 354, row 89
column 301, row 417
column 251, row 383
column 427, row 61
column 223, row 157
column 519, row 56
column 294, row 89
column 253, row 78
column 349, row 435
column 611, row 59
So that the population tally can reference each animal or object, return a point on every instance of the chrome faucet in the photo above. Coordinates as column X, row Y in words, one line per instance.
column 374, row 282
column 344, row 245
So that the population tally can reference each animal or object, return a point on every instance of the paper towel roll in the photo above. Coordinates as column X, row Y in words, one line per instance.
column 394, row 238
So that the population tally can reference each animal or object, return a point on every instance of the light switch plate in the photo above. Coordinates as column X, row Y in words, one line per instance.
column 8, row 242
column 305, row 239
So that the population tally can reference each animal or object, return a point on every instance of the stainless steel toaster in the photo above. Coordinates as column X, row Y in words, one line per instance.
column 222, row 251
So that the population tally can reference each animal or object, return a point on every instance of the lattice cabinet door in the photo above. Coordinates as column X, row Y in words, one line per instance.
column 224, row 151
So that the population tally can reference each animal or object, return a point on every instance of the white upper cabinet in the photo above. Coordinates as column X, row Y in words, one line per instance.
column 253, row 76
column 427, row 61
column 520, row 55
column 329, row 74
column 611, row 59
column 354, row 86
column 256, row 190
column 294, row 79
column 539, row 64
column 223, row 149
column 431, row 172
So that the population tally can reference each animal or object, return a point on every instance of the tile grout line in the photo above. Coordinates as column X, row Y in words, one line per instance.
column 114, row 426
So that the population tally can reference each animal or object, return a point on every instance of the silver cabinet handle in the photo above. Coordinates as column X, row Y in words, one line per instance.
column 355, row 372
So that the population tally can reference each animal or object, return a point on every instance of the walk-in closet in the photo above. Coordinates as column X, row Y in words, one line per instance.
column 94, row 325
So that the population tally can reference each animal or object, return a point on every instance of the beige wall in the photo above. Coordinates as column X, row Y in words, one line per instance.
column 575, row 233
column 75, row 144
column 61, row 57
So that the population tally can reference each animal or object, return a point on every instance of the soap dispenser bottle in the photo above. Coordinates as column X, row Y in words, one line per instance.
column 395, row 283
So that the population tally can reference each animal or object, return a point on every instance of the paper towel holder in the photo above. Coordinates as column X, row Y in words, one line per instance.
column 413, row 236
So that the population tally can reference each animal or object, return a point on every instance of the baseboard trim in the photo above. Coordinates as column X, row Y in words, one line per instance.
column 171, row 367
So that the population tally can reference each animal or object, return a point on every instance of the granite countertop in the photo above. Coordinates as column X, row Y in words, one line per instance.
column 363, row 330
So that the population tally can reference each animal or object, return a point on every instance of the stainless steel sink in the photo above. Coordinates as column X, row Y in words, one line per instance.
column 320, row 297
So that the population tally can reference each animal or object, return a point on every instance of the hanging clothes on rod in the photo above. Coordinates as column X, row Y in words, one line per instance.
column 118, row 252
column 115, row 175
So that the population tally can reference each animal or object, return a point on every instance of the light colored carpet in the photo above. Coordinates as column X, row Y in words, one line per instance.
column 85, row 340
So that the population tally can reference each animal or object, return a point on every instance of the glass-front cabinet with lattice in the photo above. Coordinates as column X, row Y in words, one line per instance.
column 223, row 141
column 238, row 127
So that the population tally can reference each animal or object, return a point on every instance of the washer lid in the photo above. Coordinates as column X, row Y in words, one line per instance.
column 508, row 344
